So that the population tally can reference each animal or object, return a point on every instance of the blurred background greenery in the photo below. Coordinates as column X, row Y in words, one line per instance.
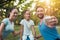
column 52, row 7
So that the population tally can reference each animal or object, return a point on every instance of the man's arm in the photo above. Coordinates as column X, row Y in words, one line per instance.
column 39, row 36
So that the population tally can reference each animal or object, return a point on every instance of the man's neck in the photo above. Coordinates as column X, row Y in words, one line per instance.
column 41, row 20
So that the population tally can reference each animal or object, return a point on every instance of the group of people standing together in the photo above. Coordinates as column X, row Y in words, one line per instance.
column 46, row 26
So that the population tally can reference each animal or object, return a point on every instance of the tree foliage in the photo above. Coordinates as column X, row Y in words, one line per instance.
column 6, row 4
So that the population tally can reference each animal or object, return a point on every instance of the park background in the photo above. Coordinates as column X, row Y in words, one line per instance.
column 52, row 7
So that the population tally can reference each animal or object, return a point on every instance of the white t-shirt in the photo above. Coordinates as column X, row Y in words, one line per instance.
column 27, row 26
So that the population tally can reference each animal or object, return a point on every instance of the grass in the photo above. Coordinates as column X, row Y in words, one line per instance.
column 11, row 37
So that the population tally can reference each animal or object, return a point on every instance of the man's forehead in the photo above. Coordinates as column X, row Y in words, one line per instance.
column 40, row 9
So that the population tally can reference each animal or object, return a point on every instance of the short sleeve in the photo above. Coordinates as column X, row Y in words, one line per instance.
column 22, row 22
column 4, row 21
column 32, row 22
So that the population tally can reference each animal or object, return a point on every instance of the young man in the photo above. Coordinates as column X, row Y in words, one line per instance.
column 46, row 32
column 27, row 27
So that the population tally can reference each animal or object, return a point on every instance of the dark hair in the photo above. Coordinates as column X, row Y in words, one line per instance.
column 10, row 9
column 39, row 7
column 25, row 11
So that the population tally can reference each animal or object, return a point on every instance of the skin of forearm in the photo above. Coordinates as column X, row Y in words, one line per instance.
column 33, row 31
column 21, row 32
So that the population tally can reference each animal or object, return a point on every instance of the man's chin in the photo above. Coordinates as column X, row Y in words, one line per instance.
column 41, row 17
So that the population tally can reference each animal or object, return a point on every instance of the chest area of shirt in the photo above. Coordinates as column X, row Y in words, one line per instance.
column 9, row 26
column 27, row 24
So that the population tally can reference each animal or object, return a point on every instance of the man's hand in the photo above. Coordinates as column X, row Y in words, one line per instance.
column 39, row 36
